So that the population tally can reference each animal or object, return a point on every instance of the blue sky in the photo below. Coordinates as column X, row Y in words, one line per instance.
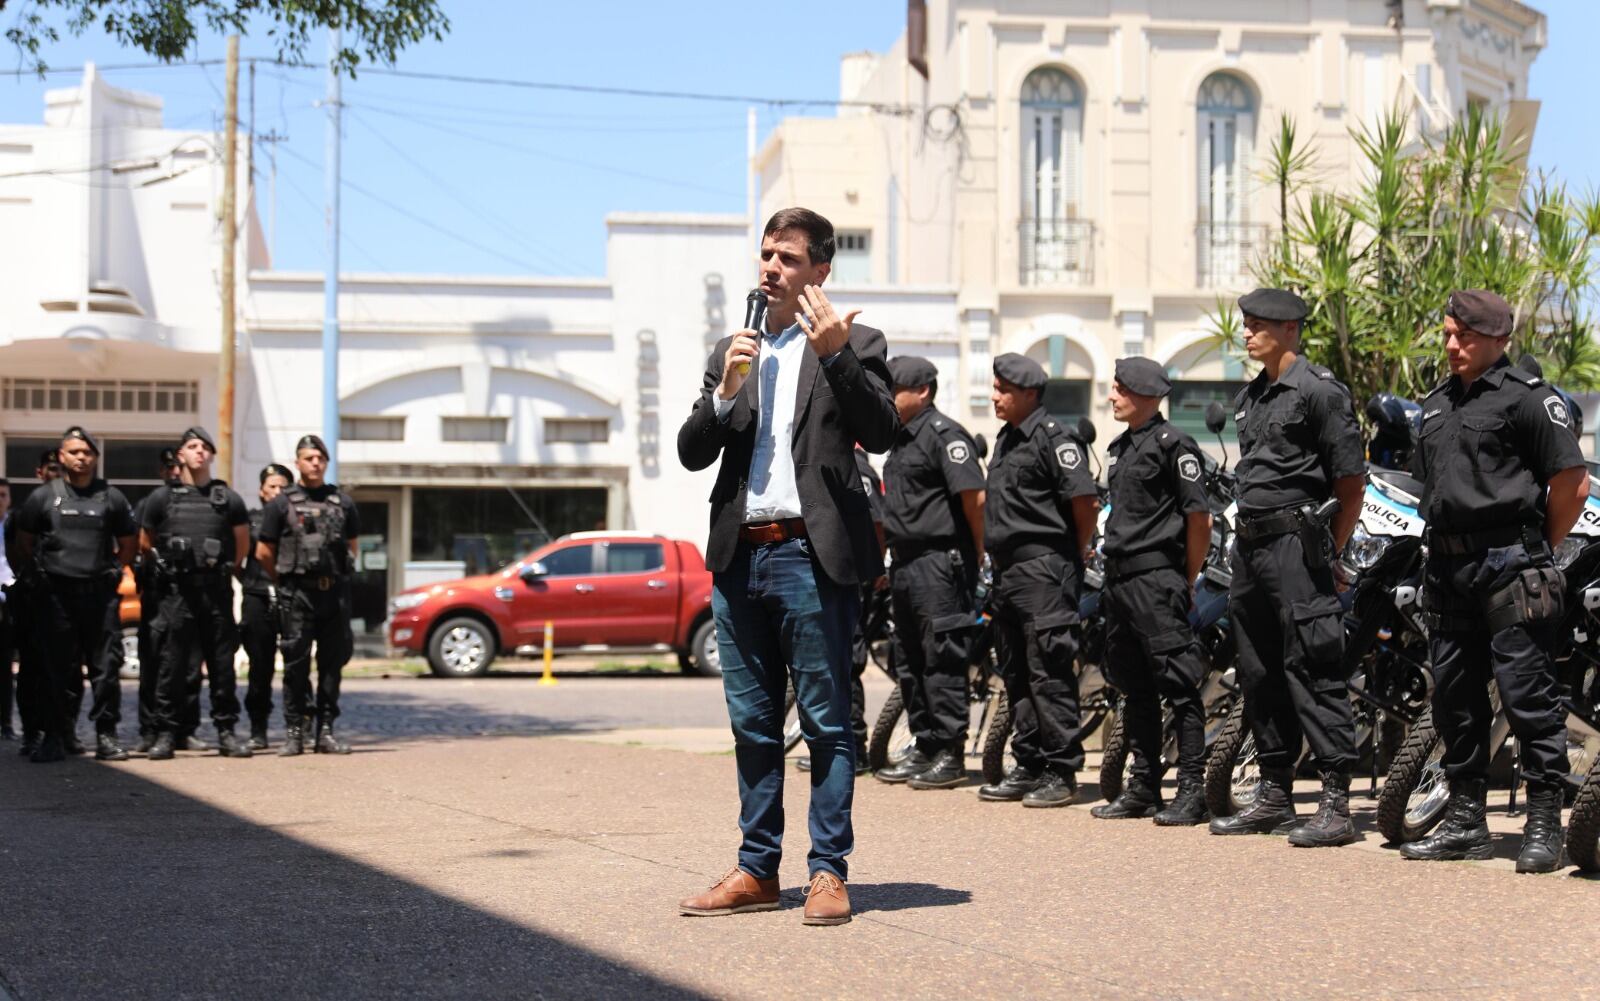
column 465, row 178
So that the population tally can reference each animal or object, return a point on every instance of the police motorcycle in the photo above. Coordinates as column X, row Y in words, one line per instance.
column 1386, row 651
column 1209, row 619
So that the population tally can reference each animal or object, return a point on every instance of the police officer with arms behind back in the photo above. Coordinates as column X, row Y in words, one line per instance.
column 1157, row 535
column 67, row 533
column 933, row 522
column 1039, row 516
column 24, row 609
column 1503, row 483
column 307, row 546
column 258, row 625
column 1300, row 452
column 196, row 532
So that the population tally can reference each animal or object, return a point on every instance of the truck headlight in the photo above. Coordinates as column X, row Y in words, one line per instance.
column 407, row 601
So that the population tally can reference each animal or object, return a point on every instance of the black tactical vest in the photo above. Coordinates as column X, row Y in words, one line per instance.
column 313, row 541
column 254, row 579
column 195, row 534
column 79, row 543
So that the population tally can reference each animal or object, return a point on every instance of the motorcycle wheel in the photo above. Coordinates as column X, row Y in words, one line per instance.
column 1232, row 774
column 1415, row 792
column 996, row 739
column 1583, row 830
column 891, row 738
column 791, row 721
column 1114, row 756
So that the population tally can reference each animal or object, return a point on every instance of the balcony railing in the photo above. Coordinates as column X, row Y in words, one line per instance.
column 1057, row 252
column 1224, row 252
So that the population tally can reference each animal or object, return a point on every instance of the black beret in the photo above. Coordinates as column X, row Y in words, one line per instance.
column 48, row 457
column 1481, row 311
column 275, row 469
column 1273, row 304
column 1143, row 376
column 1020, row 371
column 76, row 432
column 197, row 434
column 313, row 442
column 911, row 372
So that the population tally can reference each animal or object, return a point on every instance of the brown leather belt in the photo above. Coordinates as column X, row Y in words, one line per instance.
column 763, row 533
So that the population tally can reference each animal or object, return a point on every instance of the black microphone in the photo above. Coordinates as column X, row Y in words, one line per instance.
column 755, row 311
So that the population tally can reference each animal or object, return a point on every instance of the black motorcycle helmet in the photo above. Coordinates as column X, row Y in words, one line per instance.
column 1396, row 422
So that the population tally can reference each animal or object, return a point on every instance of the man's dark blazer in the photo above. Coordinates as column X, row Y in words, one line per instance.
column 837, row 405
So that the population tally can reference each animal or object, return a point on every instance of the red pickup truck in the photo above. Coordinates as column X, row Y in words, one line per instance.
column 602, row 591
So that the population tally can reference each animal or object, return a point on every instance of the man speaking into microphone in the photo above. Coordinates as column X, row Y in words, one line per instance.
column 791, row 540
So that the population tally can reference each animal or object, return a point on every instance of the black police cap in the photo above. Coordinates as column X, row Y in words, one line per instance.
column 911, row 372
column 313, row 442
column 77, row 433
column 276, row 469
column 197, row 433
column 1142, row 376
column 1273, row 304
column 1481, row 311
column 48, row 457
column 1020, row 371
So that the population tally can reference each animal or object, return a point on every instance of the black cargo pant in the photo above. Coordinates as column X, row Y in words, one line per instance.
column 194, row 623
column 8, row 652
column 258, row 630
column 1466, row 654
column 150, row 669
column 934, row 622
column 1289, row 626
column 1035, row 623
column 1152, row 654
column 310, row 613
column 859, row 642
column 32, row 668
column 79, row 626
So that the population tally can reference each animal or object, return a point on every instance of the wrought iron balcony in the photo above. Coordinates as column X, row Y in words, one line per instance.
column 1057, row 252
column 1224, row 252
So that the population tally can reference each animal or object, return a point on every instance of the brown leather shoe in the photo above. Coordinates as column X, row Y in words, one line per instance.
column 737, row 892
column 827, row 902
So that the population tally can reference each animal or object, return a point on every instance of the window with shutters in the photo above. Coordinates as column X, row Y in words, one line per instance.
column 1226, row 238
column 1056, row 242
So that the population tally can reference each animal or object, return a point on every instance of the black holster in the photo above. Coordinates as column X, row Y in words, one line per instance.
column 1536, row 595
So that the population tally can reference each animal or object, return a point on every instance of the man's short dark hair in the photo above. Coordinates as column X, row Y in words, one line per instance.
column 4, row 482
column 818, row 231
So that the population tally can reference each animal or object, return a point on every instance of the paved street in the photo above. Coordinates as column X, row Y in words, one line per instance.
column 496, row 839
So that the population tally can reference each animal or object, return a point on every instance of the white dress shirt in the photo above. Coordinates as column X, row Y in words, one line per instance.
column 772, row 494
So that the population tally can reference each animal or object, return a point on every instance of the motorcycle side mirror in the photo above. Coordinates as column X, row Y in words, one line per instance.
column 1086, row 431
column 981, row 446
column 1216, row 417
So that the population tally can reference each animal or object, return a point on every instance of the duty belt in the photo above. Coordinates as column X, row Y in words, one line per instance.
column 1255, row 527
column 1031, row 551
column 905, row 552
column 1466, row 543
column 1118, row 567
column 305, row 582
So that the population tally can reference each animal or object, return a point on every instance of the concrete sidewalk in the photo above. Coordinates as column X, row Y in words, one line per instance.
column 549, row 867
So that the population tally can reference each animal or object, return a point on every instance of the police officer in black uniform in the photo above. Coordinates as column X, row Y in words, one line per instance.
column 144, row 568
column 258, row 626
column 308, row 544
column 75, row 534
column 1039, row 515
column 27, row 628
column 196, row 532
column 1156, row 538
column 8, row 632
column 1503, row 483
column 933, row 522
column 1300, row 449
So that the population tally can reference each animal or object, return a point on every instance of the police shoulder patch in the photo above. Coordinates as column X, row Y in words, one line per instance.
column 1189, row 467
column 1068, row 456
column 957, row 451
column 1557, row 410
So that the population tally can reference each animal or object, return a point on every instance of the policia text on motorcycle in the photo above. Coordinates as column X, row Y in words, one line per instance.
column 307, row 546
column 194, row 534
column 933, row 523
column 74, row 536
column 1157, row 535
column 1503, row 483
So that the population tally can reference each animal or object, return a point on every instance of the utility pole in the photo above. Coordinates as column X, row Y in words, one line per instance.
column 230, row 237
column 330, row 281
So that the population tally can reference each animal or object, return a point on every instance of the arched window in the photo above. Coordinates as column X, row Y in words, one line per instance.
column 1226, row 113
column 1055, row 242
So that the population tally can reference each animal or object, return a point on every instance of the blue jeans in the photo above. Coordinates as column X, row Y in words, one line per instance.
column 778, row 615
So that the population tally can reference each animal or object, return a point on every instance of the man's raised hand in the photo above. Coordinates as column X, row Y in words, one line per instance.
column 824, row 328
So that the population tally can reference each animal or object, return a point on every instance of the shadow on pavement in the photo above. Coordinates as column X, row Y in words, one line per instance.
column 866, row 897
column 117, row 887
column 375, row 716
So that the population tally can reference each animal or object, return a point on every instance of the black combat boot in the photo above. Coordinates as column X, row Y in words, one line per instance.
column 1541, row 834
column 191, row 742
column 1271, row 813
column 1330, row 826
column 327, row 741
column 70, row 743
column 1188, row 808
column 230, row 746
column 258, row 735
column 106, row 748
column 948, row 770
column 1138, row 800
column 294, row 739
column 1018, row 783
column 30, row 743
column 1464, row 834
column 48, row 750
column 908, row 766
column 1054, row 789
column 146, row 740
column 165, row 747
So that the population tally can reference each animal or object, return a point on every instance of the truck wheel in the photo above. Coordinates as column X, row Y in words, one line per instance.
column 461, row 648
column 703, row 659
